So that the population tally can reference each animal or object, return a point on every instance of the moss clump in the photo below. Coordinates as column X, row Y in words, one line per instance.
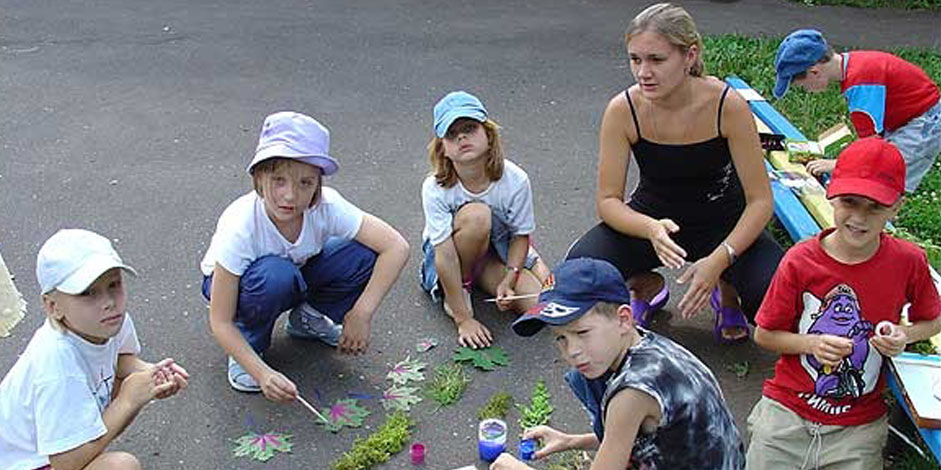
column 496, row 407
column 379, row 446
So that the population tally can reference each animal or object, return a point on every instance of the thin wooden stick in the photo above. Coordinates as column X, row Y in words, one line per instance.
column 514, row 297
column 311, row 408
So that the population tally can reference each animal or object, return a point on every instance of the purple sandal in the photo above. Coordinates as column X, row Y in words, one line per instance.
column 643, row 310
column 727, row 318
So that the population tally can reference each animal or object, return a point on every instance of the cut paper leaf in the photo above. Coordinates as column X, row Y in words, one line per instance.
column 261, row 447
column 484, row 358
column 425, row 344
column 344, row 412
column 400, row 398
column 406, row 370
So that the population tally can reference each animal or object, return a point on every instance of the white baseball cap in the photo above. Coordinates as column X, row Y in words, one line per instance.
column 72, row 259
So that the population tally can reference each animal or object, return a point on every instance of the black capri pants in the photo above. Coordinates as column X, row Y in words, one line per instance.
column 750, row 275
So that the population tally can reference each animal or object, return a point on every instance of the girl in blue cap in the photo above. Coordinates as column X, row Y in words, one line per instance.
column 293, row 244
column 478, row 219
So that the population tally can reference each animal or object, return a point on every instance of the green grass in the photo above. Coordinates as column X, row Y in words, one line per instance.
column 448, row 384
column 752, row 59
column 903, row 4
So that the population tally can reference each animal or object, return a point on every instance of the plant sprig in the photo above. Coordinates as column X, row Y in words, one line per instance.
column 539, row 409
column 496, row 407
column 448, row 384
column 379, row 446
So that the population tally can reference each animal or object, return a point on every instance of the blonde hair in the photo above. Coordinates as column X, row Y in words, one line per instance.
column 675, row 25
column 54, row 322
column 273, row 165
column 443, row 168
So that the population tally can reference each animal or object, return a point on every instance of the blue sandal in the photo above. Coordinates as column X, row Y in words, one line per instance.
column 727, row 318
column 643, row 310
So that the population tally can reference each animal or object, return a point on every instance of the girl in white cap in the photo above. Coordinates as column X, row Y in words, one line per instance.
column 478, row 219
column 293, row 244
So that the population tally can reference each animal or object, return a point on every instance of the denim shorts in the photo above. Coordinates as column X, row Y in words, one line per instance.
column 499, row 246
column 919, row 141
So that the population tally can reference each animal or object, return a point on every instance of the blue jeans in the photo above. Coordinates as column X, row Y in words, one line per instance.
column 331, row 282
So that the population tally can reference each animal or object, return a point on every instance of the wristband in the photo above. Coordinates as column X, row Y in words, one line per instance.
column 516, row 273
column 731, row 252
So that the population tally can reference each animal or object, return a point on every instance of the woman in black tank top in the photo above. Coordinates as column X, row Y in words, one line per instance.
column 703, row 197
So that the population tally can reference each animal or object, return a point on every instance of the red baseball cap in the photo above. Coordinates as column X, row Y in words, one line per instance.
column 872, row 168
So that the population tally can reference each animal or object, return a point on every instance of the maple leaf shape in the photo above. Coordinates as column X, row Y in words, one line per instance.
column 406, row 370
column 484, row 358
column 344, row 412
column 425, row 344
column 400, row 398
column 261, row 447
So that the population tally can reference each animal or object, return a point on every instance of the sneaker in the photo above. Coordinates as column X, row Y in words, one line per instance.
column 305, row 322
column 240, row 380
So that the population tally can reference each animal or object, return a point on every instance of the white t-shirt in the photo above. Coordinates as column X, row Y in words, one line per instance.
column 245, row 232
column 52, row 399
column 510, row 199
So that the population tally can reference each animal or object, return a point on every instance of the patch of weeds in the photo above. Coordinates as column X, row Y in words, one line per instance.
column 379, row 446
column 448, row 384
column 569, row 460
column 740, row 369
column 539, row 409
column 923, row 347
column 909, row 459
column 497, row 407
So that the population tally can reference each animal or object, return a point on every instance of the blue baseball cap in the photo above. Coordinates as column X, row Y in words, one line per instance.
column 456, row 105
column 287, row 134
column 573, row 288
column 796, row 53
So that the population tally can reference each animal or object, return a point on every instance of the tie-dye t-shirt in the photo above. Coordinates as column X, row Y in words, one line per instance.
column 696, row 430
column 812, row 293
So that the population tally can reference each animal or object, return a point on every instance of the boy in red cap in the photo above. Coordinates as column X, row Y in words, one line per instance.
column 823, row 408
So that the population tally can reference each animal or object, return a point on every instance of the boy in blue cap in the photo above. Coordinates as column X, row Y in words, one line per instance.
column 886, row 96
column 636, row 385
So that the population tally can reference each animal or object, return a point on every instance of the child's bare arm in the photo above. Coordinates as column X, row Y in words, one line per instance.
column 138, row 389
column 828, row 349
column 393, row 254
column 921, row 330
column 222, row 304
column 893, row 344
column 471, row 333
column 625, row 414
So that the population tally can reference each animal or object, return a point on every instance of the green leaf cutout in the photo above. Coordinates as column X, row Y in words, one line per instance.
column 261, row 447
column 400, row 398
column 346, row 412
column 484, row 358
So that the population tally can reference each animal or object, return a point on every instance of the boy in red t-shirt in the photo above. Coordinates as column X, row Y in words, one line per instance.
column 885, row 94
column 823, row 407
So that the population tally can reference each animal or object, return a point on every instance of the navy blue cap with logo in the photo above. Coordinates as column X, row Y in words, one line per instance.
column 573, row 288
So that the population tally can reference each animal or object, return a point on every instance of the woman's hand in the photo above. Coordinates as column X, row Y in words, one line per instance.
column 670, row 254
column 702, row 277
column 821, row 166
column 551, row 440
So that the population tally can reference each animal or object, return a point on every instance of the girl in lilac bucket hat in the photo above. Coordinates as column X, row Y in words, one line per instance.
column 292, row 244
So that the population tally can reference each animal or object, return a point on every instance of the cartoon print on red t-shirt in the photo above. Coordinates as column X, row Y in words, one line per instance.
column 839, row 314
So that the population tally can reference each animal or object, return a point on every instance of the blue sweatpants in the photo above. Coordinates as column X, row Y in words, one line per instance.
column 331, row 282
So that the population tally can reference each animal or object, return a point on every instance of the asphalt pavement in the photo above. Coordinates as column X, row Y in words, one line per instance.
column 136, row 119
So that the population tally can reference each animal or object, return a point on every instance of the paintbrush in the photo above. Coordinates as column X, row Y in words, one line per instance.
column 513, row 297
column 12, row 305
column 311, row 408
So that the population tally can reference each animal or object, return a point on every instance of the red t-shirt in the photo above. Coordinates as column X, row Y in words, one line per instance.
column 884, row 92
column 812, row 293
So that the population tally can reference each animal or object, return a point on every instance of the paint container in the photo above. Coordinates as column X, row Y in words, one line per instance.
column 491, row 439
column 527, row 449
column 417, row 453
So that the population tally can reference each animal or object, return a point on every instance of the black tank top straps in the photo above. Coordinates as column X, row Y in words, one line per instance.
column 690, row 183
